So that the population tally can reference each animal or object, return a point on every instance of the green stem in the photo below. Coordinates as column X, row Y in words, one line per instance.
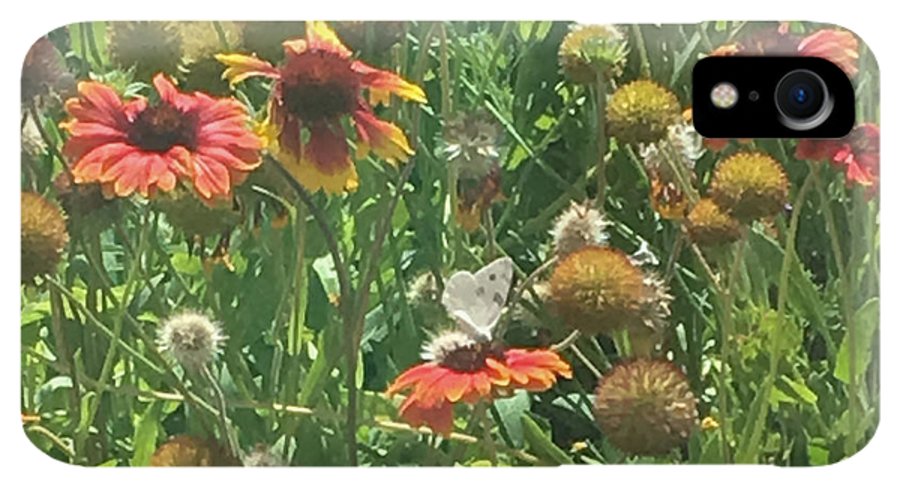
column 485, row 421
column 853, row 415
column 109, row 360
column 756, row 419
column 222, row 418
column 642, row 51
column 600, row 107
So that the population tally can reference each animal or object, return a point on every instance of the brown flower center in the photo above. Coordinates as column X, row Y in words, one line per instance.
column 472, row 358
column 319, row 87
column 163, row 126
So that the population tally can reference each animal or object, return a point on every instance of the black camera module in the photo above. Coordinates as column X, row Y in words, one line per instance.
column 803, row 100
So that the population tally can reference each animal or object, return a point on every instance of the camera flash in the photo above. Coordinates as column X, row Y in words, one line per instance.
column 724, row 95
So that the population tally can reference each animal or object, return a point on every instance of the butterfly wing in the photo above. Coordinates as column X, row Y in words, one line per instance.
column 476, row 301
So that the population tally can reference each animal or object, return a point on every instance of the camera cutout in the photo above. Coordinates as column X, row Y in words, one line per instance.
column 776, row 97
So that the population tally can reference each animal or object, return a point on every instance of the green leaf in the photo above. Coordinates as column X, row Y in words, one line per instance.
column 541, row 444
column 145, row 434
column 511, row 410
column 865, row 324
column 801, row 390
column 186, row 264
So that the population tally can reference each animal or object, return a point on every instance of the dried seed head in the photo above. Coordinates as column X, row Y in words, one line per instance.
column 193, row 339
column 749, row 186
column 592, row 51
column 577, row 227
column 646, row 407
column 44, row 236
column 707, row 225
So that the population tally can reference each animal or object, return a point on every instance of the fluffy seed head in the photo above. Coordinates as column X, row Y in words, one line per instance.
column 641, row 112
column 646, row 407
column 599, row 290
column 149, row 47
column 44, row 236
column 470, row 141
column 749, row 185
column 709, row 226
column 193, row 339
column 578, row 226
column 591, row 51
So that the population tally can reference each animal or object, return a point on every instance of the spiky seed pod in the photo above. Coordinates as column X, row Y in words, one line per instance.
column 149, row 47
column 193, row 339
column 44, row 73
column 86, row 207
column 44, row 236
column 599, row 290
column 641, row 112
column 470, row 142
column 264, row 38
column 195, row 218
column 190, row 451
column 578, row 226
column 646, row 407
column 201, row 41
column 749, row 185
column 707, row 225
column 379, row 36
column 262, row 456
column 591, row 51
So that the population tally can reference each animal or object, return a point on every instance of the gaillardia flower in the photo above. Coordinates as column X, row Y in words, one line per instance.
column 641, row 112
column 599, row 290
column 317, row 87
column 44, row 236
column 144, row 147
column 591, row 51
column 190, row 451
column 708, row 225
column 858, row 154
column 749, row 185
column 149, row 47
column 646, row 407
column 193, row 339
column 578, row 226
column 461, row 369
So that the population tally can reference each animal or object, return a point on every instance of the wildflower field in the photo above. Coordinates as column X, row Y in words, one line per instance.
column 427, row 243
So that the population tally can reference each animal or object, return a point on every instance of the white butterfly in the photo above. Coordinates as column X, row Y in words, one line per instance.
column 476, row 301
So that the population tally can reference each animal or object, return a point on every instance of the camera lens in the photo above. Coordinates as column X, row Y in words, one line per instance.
column 802, row 100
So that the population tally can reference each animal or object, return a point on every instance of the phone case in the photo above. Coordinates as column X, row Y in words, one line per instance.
column 437, row 243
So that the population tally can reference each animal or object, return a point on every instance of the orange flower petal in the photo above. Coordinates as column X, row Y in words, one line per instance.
column 385, row 81
column 240, row 67
column 385, row 139
column 320, row 36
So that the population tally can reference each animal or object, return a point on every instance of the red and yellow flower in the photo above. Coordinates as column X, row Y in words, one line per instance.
column 839, row 46
column 858, row 153
column 136, row 145
column 317, row 87
column 469, row 372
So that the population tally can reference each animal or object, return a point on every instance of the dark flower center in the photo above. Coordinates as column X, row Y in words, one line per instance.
column 472, row 358
column 163, row 126
column 319, row 86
